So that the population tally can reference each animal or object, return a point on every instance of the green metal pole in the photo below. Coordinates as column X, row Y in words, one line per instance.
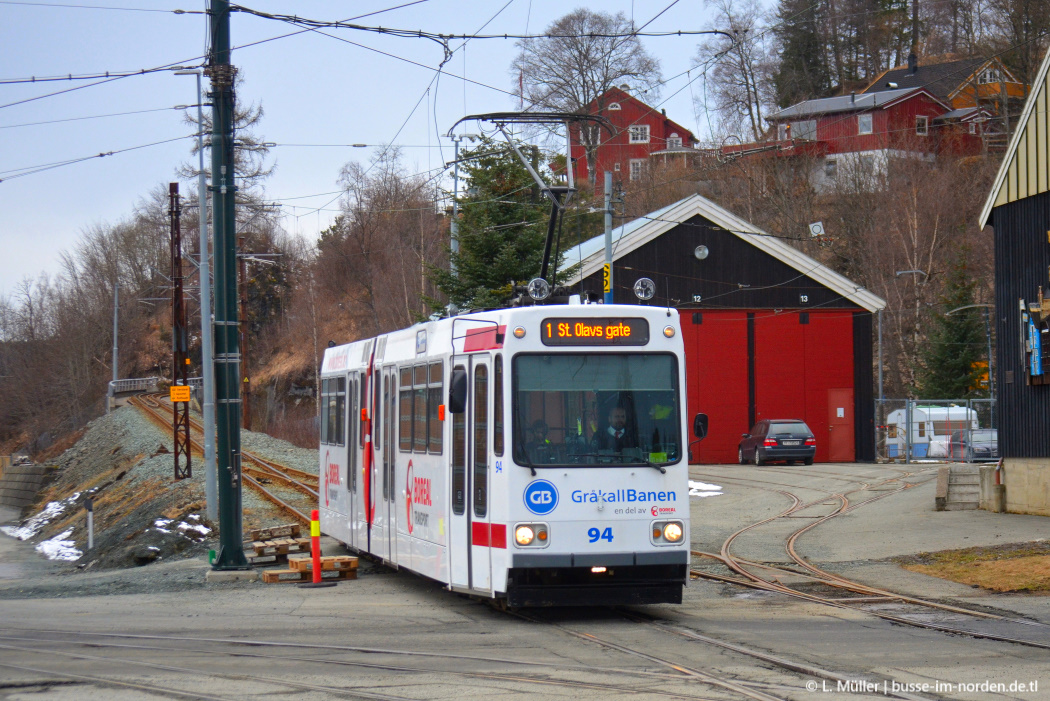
column 230, row 555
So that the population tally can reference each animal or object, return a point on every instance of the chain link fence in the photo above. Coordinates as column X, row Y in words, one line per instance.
column 936, row 430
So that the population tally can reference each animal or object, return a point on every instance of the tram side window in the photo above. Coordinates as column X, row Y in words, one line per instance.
column 497, row 406
column 363, row 382
column 419, row 432
column 333, row 401
column 340, row 411
column 459, row 460
column 481, row 442
column 404, row 436
column 433, row 402
column 376, row 432
column 323, row 418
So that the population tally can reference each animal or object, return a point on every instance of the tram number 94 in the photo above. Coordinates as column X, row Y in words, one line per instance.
column 595, row 535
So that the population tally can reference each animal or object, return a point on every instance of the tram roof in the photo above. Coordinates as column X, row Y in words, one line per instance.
column 590, row 255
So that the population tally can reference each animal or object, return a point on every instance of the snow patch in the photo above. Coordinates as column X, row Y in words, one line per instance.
column 36, row 523
column 58, row 548
column 191, row 531
column 703, row 489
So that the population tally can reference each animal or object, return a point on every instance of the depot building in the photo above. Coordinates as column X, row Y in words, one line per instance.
column 769, row 332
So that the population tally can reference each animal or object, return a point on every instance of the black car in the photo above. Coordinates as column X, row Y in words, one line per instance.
column 975, row 444
column 778, row 439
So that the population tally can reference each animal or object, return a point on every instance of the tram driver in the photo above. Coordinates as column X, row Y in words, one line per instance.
column 616, row 436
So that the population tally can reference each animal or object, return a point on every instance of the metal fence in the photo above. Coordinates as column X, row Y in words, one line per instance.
column 935, row 430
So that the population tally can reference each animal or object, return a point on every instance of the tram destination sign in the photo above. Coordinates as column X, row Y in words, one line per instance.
column 626, row 331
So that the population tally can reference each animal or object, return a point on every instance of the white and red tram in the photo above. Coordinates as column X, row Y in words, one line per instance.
column 534, row 454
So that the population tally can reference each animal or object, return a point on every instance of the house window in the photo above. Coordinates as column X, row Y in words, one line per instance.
column 806, row 129
column 973, row 128
column 614, row 106
column 616, row 167
column 990, row 75
column 639, row 133
column 674, row 141
column 831, row 167
column 637, row 168
column 863, row 123
column 922, row 125
column 867, row 164
column 782, row 132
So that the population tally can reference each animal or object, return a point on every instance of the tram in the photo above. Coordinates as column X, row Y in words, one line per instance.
column 534, row 455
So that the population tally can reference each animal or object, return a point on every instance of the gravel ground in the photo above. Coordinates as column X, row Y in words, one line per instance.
column 141, row 515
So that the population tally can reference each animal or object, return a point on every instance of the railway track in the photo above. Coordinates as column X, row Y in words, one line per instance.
column 258, row 472
column 538, row 674
column 814, row 584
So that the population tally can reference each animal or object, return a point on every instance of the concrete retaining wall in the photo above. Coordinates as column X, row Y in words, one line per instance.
column 20, row 483
column 1027, row 482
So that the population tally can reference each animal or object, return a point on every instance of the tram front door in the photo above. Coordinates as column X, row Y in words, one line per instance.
column 470, row 556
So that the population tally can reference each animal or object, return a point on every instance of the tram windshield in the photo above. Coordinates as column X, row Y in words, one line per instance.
column 596, row 409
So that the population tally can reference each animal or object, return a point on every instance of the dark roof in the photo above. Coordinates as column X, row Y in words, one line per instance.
column 962, row 114
column 940, row 79
column 843, row 103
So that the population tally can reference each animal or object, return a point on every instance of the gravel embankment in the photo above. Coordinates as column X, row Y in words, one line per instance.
column 142, row 515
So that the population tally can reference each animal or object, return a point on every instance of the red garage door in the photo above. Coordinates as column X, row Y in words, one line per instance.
column 716, row 376
column 803, row 369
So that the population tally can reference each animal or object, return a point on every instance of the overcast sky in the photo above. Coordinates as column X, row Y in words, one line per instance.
column 314, row 89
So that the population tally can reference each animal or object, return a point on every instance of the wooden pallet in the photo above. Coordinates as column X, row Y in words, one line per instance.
column 338, row 563
column 281, row 546
column 291, row 530
column 298, row 576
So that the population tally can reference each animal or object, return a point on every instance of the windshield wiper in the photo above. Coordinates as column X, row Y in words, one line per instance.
column 645, row 461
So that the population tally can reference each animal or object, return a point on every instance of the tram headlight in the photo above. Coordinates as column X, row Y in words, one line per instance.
column 524, row 535
column 531, row 535
column 667, row 532
column 673, row 532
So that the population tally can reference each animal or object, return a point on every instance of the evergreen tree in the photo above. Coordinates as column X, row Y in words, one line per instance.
column 502, row 229
column 956, row 342
column 802, row 73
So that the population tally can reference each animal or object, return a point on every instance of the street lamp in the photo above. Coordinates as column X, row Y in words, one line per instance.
column 207, row 347
column 987, row 336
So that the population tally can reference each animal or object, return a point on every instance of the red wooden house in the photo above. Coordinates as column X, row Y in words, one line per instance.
column 641, row 134
column 857, row 134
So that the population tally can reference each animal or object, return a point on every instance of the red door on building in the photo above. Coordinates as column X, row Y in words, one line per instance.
column 840, row 426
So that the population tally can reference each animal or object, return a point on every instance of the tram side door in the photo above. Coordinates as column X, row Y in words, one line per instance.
column 353, row 452
column 459, row 519
column 469, row 553
column 480, row 428
column 380, row 544
column 389, row 463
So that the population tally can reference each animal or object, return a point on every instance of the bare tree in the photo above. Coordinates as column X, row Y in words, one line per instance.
column 739, row 72
column 583, row 55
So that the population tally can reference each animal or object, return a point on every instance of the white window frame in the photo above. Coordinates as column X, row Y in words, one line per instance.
column 616, row 167
column 637, row 166
column 638, row 133
column 614, row 106
column 990, row 75
column 922, row 125
column 865, row 120
column 782, row 132
column 831, row 168
column 674, row 141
